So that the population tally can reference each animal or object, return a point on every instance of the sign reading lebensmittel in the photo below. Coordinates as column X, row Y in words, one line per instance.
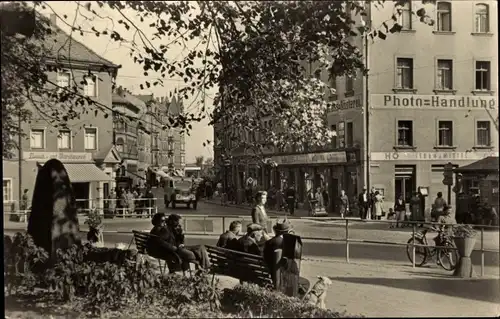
column 437, row 102
column 311, row 158
column 429, row 156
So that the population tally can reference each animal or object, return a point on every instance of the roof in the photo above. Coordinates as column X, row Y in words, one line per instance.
column 79, row 173
column 118, row 99
column 64, row 47
column 145, row 98
column 487, row 164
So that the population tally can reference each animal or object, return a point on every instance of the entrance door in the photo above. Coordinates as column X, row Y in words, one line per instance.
column 333, row 193
column 405, row 182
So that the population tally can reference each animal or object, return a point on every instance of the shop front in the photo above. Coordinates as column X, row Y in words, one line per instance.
column 310, row 171
column 86, row 178
column 395, row 173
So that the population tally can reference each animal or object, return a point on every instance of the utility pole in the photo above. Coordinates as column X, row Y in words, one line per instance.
column 366, row 118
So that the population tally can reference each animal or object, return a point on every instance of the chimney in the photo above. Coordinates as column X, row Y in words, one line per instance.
column 53, row 19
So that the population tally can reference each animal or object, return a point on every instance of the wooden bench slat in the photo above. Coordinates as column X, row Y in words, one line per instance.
column 217, row 249
column 238, row 263
column 246, row 276
column 234, row 254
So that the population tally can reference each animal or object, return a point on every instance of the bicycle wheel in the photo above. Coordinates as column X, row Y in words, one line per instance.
column 420, row 252
column 448, row 258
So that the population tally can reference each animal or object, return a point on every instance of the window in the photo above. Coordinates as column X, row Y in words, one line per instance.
column 404, row 73
column 444, row 74
column 482, row 75
column 334, row 138
column 349, row 134
column 405, row 133
column 445, row 133
column 37, row 139
column 444, row 16
column 120, row 145
column 7, row 190
column 90, row 87
column 183, row 146
column 349, row 84
column 482, row 21
column 63, row 79
column 64, row 140
column 483, row 133
column 404, row 18
column 183, row 160
column 90, row 138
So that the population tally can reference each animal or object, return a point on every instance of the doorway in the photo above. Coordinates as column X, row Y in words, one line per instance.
column 405, row 182
column 82, row 192
column 333, row 193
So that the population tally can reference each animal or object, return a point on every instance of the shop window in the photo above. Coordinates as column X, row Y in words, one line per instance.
column 405, row 16
column 37, row 138
column 90, row 138
column 7, row 190
column 483, row 75
column 444, row 79
column 64, row 140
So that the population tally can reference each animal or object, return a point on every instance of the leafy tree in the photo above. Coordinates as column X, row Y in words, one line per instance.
column 199, row 161
column 257, row 63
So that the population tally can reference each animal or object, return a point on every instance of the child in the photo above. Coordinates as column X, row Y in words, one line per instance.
column 391, row 216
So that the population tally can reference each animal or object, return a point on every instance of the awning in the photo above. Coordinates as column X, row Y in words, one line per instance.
column 84, row 173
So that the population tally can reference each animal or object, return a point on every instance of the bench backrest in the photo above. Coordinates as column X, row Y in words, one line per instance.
column 141, row 241
column 243, row 266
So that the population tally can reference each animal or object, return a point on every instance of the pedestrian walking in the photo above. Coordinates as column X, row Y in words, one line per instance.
column 344, row 204
column 364, row 203
column 372, row 203
column 112, row 203
column 326, row 199
column 378, row 201
column 438, row 206
column 123, row 202
column 400, row 210
column 416, row 208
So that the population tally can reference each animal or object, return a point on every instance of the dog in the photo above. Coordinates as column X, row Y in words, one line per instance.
column 317, row 295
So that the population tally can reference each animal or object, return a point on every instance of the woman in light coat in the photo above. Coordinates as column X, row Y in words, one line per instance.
column 259, row 215
column 378, row 200
column 344, row 204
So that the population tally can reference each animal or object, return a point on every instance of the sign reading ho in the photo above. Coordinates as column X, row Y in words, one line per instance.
column 451, row 102
column 62, row 156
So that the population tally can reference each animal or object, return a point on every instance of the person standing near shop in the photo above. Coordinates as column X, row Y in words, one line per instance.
column 259, row 214
column 371, row 204
column 344, row 204
column 290, row 199
column 400, row 210
column 364, row 203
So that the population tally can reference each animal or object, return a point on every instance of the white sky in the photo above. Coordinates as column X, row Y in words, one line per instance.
column 131, row 75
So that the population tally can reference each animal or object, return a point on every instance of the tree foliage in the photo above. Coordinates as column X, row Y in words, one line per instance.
column 257, row 62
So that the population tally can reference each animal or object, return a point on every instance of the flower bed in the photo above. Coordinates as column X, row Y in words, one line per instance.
column 84, row 283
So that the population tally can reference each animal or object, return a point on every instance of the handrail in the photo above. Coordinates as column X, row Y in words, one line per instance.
column 346, row 239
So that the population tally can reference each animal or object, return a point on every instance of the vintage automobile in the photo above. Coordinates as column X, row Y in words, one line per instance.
column 179, row 191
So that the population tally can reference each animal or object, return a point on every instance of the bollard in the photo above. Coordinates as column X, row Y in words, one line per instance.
column 413, row 246
column 482, row 251
column 204, row 225
column 223, row 223
column 347, row 240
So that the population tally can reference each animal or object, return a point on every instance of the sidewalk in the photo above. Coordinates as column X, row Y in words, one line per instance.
column 299, row 212
column 390, row 291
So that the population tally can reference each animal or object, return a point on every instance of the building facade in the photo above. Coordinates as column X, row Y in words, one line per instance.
column 84, row 145
column 430, row 98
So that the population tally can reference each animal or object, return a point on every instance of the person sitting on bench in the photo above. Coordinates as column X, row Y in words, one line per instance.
column 231, row 235
column 170, row 239
column 249, row 243
column 276, row 242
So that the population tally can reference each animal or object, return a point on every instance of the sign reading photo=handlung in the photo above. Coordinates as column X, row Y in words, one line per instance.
column 390, row 101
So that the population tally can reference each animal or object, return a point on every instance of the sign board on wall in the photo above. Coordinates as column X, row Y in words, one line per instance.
column 311, row 158
column 347, row 104
column 62, row 156
column 429, row 156
column 437, row 102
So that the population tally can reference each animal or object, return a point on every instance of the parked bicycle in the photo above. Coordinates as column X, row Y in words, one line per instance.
column 445, row 257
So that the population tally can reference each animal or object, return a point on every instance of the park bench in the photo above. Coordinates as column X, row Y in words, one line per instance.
column 174, row 263
column 239, row 265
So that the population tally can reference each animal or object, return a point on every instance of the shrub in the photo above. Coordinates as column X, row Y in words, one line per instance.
column 252, row 300
column 24, row 263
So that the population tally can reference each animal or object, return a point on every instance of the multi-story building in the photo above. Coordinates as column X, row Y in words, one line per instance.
column 84, row 145
column 430, row 98
column 132, row 136
column 427, row 100
column 167, row 145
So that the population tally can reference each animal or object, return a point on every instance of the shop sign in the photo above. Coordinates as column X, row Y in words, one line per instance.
column 347, row 104
column 62, row 156
column 444, row 102
column 430, row 156
column 311, row 158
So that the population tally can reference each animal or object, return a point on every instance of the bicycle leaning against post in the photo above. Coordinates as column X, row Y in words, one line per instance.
column 446, row 258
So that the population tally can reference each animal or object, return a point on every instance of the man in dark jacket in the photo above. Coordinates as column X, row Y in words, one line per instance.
column 230, row 235
column 290, row 199
column 170, row 239
column 364, row 203
column 249, row 243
